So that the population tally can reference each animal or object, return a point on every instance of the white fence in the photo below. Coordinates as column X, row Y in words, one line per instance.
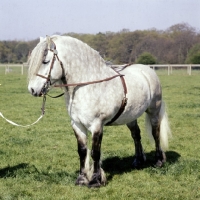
column 170, row 67
column 9, row 67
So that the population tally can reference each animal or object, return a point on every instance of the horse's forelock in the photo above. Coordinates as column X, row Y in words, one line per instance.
column 36, row 58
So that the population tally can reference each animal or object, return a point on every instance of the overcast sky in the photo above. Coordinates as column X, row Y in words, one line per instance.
column 30, row 19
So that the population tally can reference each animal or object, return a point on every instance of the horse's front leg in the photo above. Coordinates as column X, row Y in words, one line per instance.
column 98, row 177
column 80, row 133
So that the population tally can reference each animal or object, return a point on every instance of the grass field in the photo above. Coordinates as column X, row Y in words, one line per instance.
column 41, row 161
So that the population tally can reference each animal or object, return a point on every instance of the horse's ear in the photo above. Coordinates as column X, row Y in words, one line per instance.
column 50, row 43
column 42, row 39
column 48, row 39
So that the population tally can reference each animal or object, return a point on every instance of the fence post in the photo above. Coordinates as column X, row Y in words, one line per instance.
column 168, row 69
column 22, row 69
column 7, row 69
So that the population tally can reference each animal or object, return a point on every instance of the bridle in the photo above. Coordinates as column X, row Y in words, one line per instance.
column 48, row 83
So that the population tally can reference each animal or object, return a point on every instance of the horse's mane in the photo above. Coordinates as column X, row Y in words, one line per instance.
column 36, row 58
column 88, row 57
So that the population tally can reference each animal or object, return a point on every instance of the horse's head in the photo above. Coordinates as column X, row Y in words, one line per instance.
column 45, row 68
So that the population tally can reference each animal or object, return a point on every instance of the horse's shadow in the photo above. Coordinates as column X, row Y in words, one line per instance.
column 26, row 170
column 10, row 171
column 116, row 165
column 112, row 166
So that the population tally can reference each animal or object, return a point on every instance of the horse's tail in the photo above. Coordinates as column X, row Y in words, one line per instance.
column 165, row 131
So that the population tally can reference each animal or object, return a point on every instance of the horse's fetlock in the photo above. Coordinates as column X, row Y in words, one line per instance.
column 160, row 159
column 139, row 161
column 82, row 180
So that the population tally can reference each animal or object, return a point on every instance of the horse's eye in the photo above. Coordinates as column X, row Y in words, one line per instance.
column 46, row 62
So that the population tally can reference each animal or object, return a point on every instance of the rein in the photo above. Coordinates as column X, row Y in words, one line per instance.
column 41, row 116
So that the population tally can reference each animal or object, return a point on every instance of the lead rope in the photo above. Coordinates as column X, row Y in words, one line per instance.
column 15, row 124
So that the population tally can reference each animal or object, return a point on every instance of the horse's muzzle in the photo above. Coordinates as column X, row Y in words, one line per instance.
column 35, row 93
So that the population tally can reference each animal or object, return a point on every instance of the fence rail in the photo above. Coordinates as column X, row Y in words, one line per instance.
column 8, row 67
column 170, row 67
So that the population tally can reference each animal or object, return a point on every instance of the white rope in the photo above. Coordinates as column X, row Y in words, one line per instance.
column 13, row 123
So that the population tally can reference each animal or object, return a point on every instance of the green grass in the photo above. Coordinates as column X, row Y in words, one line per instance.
column 41, row 161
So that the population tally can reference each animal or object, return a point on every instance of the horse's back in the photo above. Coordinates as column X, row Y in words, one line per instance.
column 138, row 68
column 145, row 75
column 143, row 90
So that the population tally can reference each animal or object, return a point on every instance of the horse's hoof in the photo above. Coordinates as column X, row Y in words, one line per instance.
column 138, row 162
column 98, row 180
column 137, row 165
column 81, row 181
column 161, row 160
column 159, row 164
column 94, row 184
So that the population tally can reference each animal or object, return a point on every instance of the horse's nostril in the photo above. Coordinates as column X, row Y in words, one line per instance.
column 32, row 90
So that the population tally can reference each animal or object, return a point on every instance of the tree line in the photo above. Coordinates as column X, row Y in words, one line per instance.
column 178, row 44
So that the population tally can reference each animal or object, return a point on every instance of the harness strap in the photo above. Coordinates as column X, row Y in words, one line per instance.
column 123, row 104
column 121, row 110
column 88, row 83
column 123, row 83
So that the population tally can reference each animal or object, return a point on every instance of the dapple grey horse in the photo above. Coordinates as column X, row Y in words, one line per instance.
column 98, row 95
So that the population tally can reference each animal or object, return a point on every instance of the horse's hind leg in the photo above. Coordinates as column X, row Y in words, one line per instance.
column 154, row 117
column 140, row 157
column 159, row 155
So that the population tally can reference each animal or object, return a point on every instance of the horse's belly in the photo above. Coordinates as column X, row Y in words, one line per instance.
column 131, row 114
column 138, row 100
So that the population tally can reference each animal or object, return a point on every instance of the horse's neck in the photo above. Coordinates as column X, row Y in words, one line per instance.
column 85, row 64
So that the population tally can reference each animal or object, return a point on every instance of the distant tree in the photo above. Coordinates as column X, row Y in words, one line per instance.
column 146, row 58
column 99, row 43
column 196, row 58
column 22, row 51
column 173, row 45
column 194, row 55
column 124, row 30
column 184, row 37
